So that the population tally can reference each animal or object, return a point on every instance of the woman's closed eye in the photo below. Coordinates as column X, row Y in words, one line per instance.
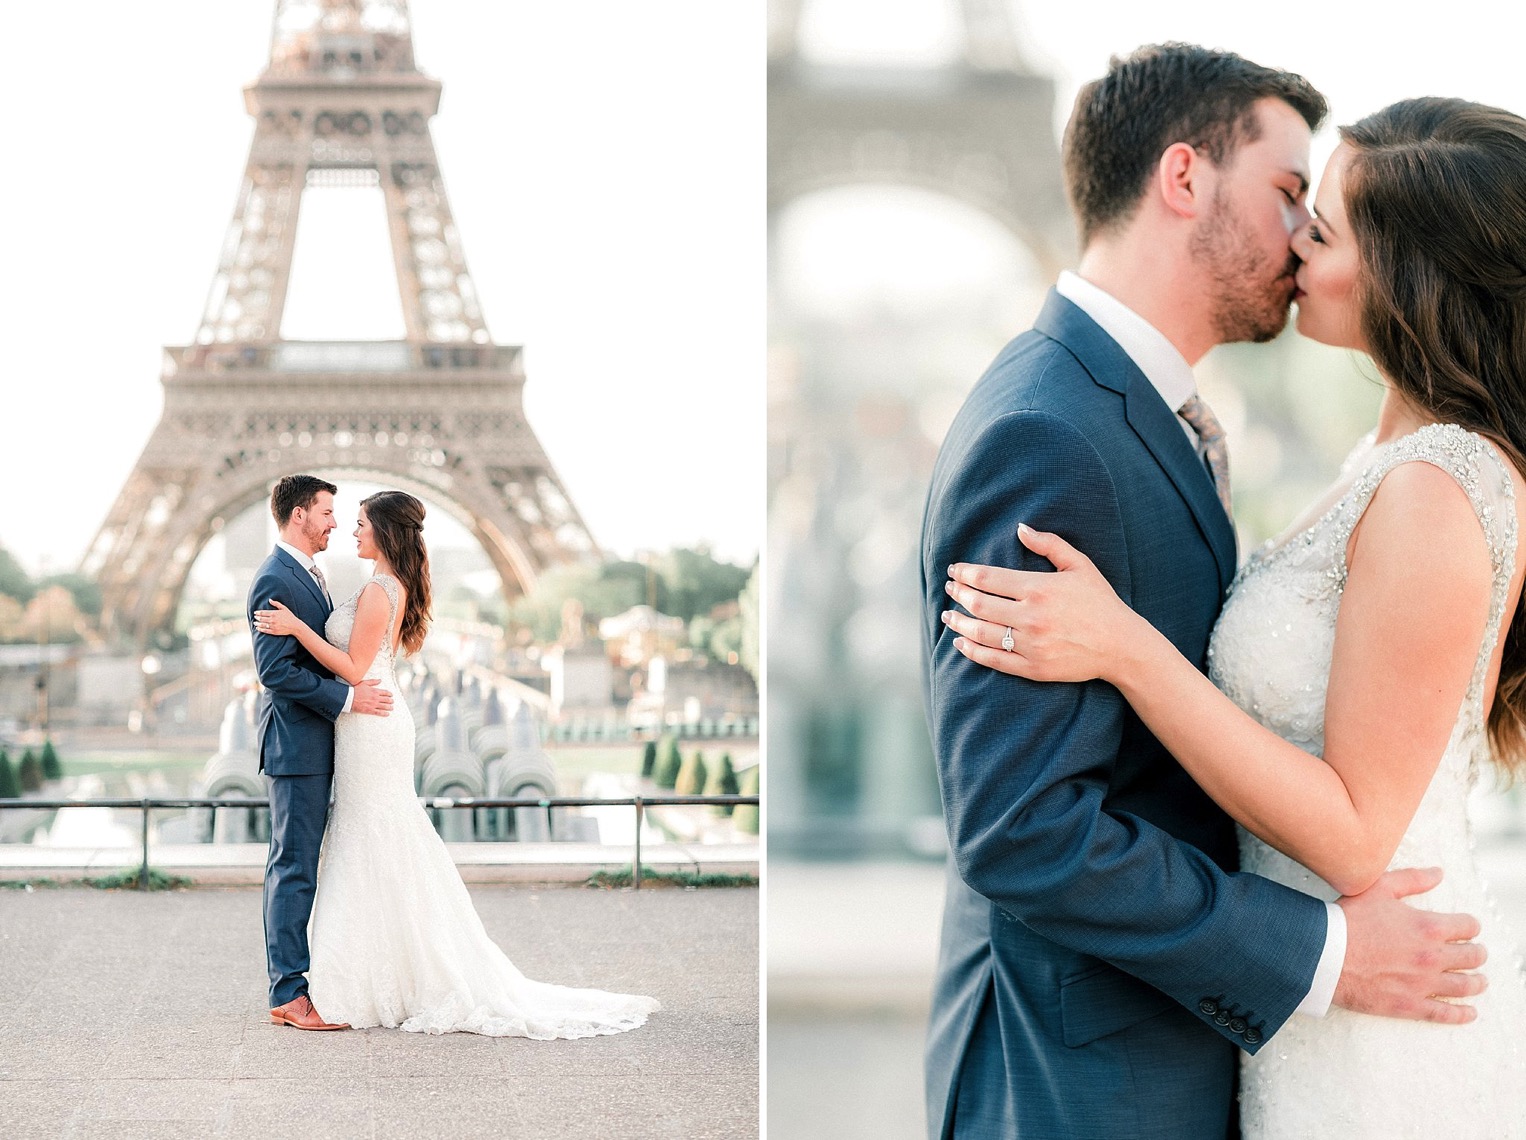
column 1314, row 235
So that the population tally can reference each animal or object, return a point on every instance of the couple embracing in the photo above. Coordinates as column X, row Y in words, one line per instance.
column 366, row 917
column 1109, row 695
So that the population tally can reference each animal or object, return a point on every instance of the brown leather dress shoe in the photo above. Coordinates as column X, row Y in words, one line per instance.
column 300, row 1014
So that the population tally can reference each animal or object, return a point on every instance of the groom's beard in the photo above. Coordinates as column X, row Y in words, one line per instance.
column 1251, row 292
column 317, row 537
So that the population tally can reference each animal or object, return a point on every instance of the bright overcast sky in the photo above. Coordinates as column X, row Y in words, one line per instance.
column 604, row 162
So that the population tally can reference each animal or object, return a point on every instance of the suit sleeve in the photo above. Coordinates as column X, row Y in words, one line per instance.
column 1025, row 768
column 279, row 661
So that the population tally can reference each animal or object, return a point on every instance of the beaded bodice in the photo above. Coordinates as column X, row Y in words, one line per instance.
column 1349, row 1074
column 341, row 626
column 1271, row 650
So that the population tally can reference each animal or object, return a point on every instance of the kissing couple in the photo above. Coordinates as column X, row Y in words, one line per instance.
column 369, row 920
column 1109, row 695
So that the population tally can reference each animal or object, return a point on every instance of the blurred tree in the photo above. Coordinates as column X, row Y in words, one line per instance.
column 51, row 768
column 750, row 611
column 52, row 615
column 31, row 772
column 691, row 776
column 11, row 617
column 14, row 581
column 687, row 584
column 10, row 787
column 723, row 782
column 604, row 591
column 746, row 817
column 648, row 759
column 669, row 761
column 84, row 591
column 697, row 583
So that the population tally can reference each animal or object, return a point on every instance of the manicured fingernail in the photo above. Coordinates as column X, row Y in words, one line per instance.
column 948, row 587
column 951, row 569
column 959, row 644
column 1024, row 528
column 944, row 617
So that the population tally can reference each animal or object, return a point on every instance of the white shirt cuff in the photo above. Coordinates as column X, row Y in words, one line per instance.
column 350, row 700
column 1331, row 962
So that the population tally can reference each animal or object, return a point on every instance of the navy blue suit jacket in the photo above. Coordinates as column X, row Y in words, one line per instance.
column 1101, row 956
column 300, row 699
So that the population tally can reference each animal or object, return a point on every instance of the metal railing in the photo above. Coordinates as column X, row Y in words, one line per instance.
column 640, row 803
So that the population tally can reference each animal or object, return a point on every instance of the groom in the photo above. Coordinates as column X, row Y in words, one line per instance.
column 299, row 701
column 1102, row 959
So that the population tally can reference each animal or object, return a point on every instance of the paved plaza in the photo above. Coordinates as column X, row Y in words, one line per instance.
column 145, row 1015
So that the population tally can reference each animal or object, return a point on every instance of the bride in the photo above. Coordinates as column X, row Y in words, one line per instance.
column 395, row 939
column 1372, row 661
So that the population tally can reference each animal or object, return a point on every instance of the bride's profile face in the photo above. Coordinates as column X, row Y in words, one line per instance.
column 365, row 538
column 1328, row 300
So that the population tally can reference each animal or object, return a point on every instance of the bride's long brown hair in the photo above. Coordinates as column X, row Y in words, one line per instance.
column 1436, row 194
column 397, row 525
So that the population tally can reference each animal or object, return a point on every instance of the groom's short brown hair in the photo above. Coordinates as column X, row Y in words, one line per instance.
column 297, row 491
column 1160, row 95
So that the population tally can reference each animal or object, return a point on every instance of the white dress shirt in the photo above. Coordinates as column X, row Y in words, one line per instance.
column 1170, row 374
column 308, row 564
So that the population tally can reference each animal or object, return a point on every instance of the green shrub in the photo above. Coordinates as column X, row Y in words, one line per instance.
column 10, row 787
column 31, row 772
column 669, row 761
column 723, row 782
column 51, row 768
column 648, row 759
column 691, row 777
column 746, row 817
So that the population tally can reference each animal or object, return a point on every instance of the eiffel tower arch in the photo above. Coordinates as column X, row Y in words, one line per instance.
column 439, row 413
column 979, row 131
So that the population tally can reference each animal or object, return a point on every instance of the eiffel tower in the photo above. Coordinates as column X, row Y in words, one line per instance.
column 438, row 414
column 979, row 130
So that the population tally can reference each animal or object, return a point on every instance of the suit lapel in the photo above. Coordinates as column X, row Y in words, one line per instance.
column 299, row 572
column 1155, row 424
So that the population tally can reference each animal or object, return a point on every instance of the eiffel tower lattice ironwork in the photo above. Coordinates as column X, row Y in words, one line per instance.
column 439, row 413
column 979, row 130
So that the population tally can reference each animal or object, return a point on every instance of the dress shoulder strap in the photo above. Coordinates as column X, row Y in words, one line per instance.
column 1484, row 476
column 389, row 584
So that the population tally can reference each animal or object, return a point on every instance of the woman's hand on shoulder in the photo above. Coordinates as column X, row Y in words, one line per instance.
column 278, row 621
column 1065, row 626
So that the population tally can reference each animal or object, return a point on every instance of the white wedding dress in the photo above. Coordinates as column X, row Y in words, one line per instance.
column 395, row 939
column 1351, row 1075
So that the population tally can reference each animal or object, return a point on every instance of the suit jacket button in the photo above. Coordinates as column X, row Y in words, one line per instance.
column 1221, row 1017
column 1208, row 1006
column 1237, row 1025
column 1252, row 1036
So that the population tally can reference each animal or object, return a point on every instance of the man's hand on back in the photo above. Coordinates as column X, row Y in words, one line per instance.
column 370, row 700
column 1401, row 961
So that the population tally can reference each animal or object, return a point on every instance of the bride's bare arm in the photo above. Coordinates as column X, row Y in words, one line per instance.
column 371, row 613
column 1411, row 621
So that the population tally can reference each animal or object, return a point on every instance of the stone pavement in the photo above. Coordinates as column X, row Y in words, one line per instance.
column 144, row 1015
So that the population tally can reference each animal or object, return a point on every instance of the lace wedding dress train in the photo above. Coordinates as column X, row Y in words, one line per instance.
column 1351, row 1075
column 395, row 939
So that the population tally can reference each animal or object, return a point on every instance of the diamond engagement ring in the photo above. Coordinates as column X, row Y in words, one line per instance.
column 1006, row 640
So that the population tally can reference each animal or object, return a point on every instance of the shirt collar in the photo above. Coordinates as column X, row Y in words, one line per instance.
column 1164, row 367
column 301, row 556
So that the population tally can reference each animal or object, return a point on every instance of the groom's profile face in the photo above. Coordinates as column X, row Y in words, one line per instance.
column 1243, row 242
column 316, row 521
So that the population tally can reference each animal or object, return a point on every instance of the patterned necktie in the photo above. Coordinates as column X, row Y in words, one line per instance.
column 322, row 585
column 1211, row 439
